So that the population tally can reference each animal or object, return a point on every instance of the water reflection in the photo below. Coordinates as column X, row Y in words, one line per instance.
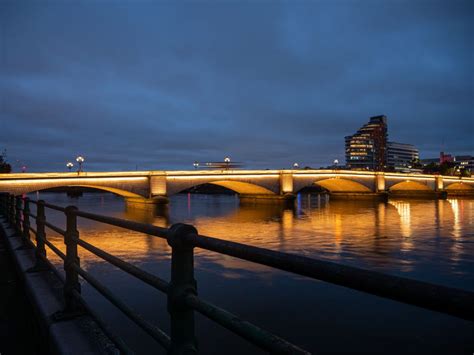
column 426, row 240
column 398, row 236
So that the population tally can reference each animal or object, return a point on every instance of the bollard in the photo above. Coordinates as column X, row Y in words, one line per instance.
column 71, row 283
column 18, row 214
column 183, row 339
column 26, row 219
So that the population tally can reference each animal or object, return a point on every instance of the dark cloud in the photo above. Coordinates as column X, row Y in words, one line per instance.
column 157, row 85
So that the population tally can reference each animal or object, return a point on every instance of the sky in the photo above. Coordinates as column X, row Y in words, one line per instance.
column 158, row 85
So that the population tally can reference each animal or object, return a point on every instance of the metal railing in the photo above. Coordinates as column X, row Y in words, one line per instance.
column 181, row 291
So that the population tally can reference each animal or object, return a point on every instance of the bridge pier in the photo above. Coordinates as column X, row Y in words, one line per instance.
column 156, row 200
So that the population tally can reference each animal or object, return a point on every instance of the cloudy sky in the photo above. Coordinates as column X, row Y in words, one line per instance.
column 158, row 85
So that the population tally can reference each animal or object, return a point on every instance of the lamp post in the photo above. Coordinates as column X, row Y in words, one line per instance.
column 227, row 162
column 80, row 159
column 196, row 165
column 69, row 165
column 296, row 166
column 335, row 163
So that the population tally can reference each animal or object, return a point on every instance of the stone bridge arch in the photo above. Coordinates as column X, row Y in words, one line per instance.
column 243, row 186
column 458, row 186
column 335, row 184
column 133, row 187
column 410, row 186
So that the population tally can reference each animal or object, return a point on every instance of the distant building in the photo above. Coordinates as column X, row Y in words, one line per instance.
column 367, row 148
column 445, row 158
column 400, row 156
column 465, row 162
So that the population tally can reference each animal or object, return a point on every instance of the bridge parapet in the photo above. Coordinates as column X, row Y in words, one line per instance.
column 156, row 186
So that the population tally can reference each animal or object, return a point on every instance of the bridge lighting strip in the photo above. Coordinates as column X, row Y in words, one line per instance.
column 223, row 176
column 71, row 180
column 335, row 175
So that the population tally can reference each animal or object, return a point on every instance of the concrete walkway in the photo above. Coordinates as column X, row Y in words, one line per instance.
column 28, row 301
column 18, row 328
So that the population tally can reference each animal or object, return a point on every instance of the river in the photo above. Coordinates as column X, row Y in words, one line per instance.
column 428, row 240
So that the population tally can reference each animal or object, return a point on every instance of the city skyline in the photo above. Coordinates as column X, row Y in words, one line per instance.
column 159, row 86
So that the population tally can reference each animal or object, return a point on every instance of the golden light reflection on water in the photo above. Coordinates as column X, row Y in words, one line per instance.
column 398, row 235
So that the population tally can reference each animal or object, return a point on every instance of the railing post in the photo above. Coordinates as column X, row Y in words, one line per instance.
column 4, row 204
column 40, row 232
column 183, row 340
column 72, row 278
column 26, row 219
column 11, row 208
column 18, row 214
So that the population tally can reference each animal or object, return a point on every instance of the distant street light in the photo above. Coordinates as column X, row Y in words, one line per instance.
column 296, row 166
column 196, row 165
column 227, row 162
column 335, row 163
column 80, row 159
column 69, row 165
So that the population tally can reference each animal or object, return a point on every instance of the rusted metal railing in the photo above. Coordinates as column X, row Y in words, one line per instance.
column 183, row 299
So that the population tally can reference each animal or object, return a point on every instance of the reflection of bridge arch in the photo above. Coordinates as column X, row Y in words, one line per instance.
column 341, row 185
column 409, row 186
column 239, row 187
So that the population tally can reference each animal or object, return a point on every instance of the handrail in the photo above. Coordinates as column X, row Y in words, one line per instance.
column 181, row 290
column 443, row 299
column 146, row 277
column 127, row 224
column 54, row 228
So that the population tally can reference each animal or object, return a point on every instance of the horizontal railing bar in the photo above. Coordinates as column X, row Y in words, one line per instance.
column 135, row 226
column 124, row 349
column 246, row 330
column 53, row 248
column 140, row 274
column 33, row 230
column 455, row 302
column 54, row 207
column 156, row 333
column 33, row 216
column 54, row 228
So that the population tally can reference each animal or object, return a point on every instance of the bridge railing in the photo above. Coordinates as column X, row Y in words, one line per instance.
column 182, row 297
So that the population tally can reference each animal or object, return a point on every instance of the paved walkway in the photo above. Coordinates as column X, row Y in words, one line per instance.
column 18, row 329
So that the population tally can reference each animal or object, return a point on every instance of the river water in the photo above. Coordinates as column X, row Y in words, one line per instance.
column 426, row 240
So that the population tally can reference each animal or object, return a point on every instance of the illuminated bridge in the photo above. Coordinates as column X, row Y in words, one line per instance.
column 157, row 186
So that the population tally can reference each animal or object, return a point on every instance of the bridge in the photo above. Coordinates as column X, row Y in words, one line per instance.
column 256, row 185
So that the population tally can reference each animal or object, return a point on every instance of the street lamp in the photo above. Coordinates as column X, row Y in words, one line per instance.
column 80, row 159
column 69, row 165
column 296, row 166
column 335, row 163
column 196, row 165
column 227, row 162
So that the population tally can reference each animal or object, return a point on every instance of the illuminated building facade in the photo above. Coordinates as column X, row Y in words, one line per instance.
column 400, row 156
column 367, row 148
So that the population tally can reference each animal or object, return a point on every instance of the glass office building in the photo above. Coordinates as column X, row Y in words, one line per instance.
column 367, row 148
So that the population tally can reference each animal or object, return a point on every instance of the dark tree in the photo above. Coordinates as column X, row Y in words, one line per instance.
column 5, row 168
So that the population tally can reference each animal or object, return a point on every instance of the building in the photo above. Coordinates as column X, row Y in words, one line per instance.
column 445, row 158
column 400, row 156
column 464, row 162
column 367, row 148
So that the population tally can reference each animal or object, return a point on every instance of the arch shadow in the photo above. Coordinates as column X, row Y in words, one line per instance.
column 236, row 186
column 340, row 185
